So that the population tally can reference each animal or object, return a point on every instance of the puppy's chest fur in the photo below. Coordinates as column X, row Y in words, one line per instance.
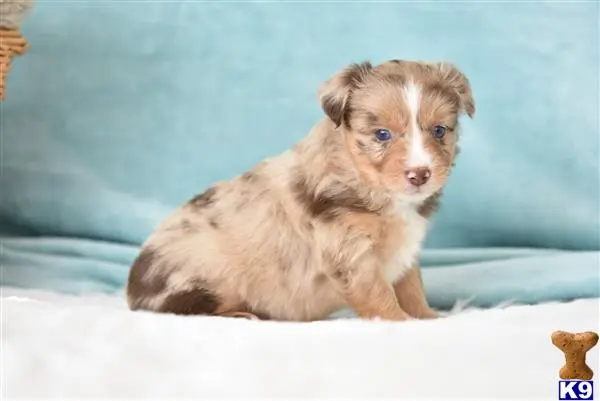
column 410, row 228
column 394, row 238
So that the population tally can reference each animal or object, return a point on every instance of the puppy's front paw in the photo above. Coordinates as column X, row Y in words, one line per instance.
column 428, row 314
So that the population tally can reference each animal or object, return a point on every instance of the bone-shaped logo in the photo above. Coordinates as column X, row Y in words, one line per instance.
column 575, row 346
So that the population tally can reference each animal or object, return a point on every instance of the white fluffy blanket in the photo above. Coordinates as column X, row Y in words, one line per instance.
column 93, row 347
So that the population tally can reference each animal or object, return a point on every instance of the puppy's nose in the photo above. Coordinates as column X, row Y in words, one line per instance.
column 418, row 176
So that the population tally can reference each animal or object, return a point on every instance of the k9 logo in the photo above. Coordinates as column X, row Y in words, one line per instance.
column 575, row 390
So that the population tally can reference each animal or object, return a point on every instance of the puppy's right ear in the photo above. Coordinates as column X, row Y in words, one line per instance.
column 335, row 93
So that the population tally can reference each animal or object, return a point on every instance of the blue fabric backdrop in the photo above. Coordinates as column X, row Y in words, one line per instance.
column 121, row 111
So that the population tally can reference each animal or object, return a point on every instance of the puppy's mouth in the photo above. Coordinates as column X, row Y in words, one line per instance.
column 417, row 193
column 412, row 190
column 404, row 190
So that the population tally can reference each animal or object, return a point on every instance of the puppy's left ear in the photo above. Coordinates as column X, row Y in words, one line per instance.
column 458, row 81
column 335, row 93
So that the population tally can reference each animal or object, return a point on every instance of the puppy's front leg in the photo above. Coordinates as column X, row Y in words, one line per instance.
column 369, row 294
column 411, row 295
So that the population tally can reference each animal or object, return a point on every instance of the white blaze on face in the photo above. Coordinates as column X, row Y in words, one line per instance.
column 417, row 155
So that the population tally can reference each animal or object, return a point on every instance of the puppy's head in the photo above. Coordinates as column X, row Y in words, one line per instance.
column 400, row 121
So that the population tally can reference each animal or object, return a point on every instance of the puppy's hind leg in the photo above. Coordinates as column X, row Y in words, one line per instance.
column 193, row 301
column 201, row 301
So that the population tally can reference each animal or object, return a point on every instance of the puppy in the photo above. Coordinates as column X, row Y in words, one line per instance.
column 336, row 221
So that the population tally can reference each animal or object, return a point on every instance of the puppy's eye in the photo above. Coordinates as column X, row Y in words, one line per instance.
column 439, row 131
column 383, row 135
